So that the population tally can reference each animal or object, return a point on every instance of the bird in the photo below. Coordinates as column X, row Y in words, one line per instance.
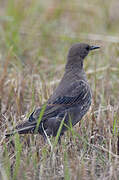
column 69, row 102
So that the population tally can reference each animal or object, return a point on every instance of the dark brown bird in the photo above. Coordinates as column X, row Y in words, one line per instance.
column 70, row 100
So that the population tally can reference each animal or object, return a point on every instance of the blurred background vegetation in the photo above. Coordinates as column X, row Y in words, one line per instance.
column 35, row 36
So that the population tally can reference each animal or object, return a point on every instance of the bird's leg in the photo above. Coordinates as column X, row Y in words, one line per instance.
column 59, row 140
column 44, row 137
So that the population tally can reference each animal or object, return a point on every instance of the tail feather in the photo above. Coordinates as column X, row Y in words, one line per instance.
column 23, row 128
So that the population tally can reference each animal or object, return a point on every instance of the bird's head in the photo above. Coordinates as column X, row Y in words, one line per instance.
column 76, row 55
column 80, row 50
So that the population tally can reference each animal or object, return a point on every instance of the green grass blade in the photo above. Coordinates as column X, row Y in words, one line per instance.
column 18, row 149
column 40, row 117
column 66, row 168
column 59, row 131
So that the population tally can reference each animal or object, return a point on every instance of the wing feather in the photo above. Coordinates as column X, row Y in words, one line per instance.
column 80, row 95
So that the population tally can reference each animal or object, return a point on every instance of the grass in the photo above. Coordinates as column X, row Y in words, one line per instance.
column 35, row 37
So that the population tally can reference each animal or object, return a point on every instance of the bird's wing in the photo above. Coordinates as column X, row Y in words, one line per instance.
column 78, row 97
column 78, row 93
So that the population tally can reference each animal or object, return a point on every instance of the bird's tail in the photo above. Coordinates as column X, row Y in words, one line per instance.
column 23, row 128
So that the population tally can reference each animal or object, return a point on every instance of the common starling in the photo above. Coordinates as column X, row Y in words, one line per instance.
column 69, row 102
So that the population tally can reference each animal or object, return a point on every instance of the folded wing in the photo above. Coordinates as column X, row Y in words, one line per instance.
column 76, row 102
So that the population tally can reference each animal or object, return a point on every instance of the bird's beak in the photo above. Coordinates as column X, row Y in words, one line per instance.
column 94, row 47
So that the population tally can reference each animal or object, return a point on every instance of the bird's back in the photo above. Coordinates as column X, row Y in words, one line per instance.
column 64, row 87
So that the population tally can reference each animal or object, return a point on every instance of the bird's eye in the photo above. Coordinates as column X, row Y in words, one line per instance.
column 87, row 48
